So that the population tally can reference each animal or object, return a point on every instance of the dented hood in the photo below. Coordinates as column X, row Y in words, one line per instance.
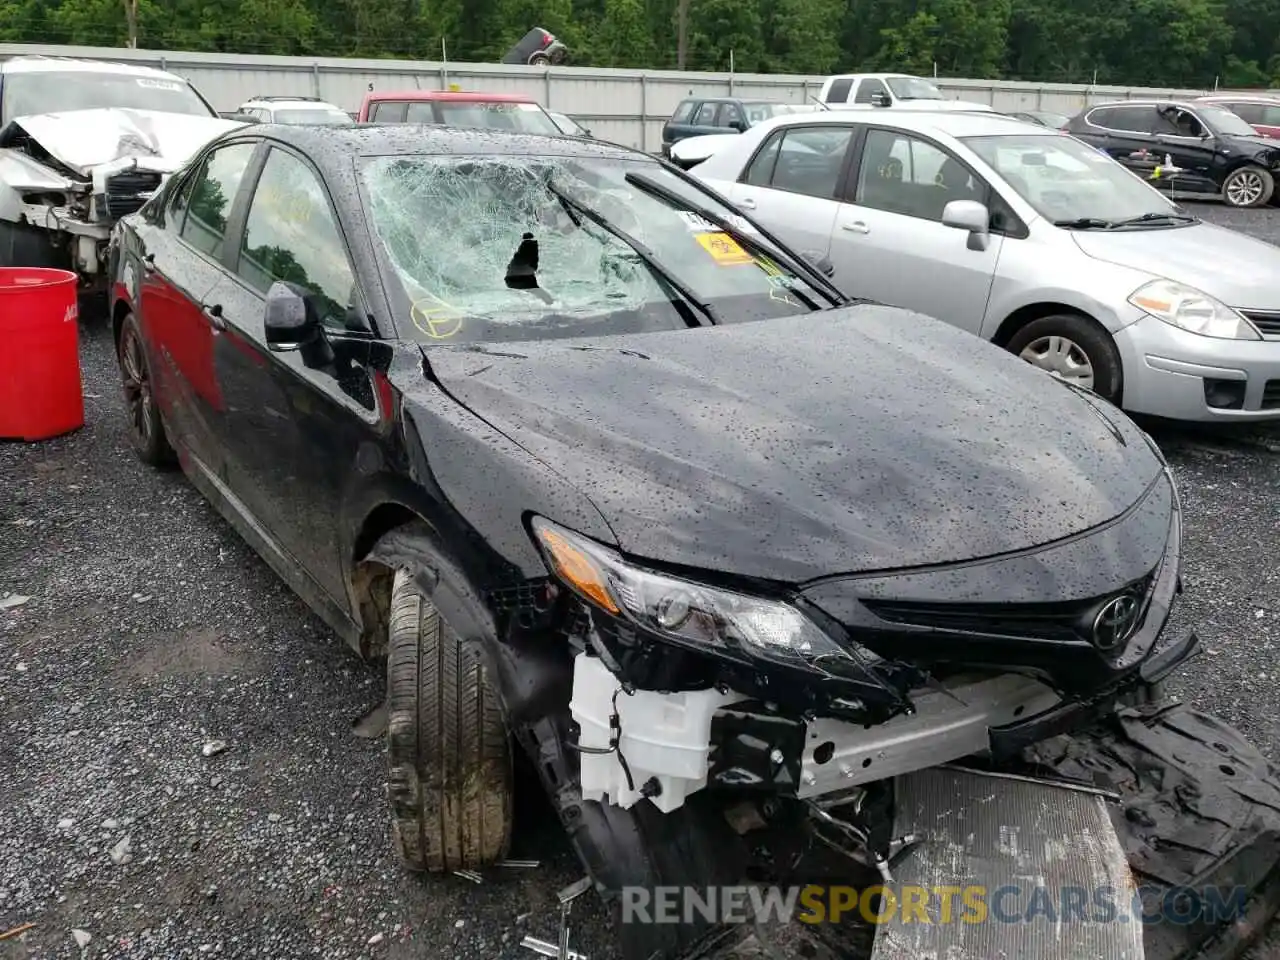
column 87, row 139
column 864, row 438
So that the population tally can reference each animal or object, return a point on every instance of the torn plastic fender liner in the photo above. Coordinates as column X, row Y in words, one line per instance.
column 532, row 679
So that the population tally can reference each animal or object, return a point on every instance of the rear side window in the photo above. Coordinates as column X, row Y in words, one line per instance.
column 388, row 111
column 213, row 191
column 839, row 92
column 805, row 160
column 683, row 112
column 1138, row 119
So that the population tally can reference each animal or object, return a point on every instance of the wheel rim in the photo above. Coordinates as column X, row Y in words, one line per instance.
column 137, row 386
column 1244, row 188
column 1062, row 357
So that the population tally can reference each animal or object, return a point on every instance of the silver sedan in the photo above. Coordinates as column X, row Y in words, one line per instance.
column 1029, row 238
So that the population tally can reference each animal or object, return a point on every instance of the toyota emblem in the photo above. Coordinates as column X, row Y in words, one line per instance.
column 1115, row 622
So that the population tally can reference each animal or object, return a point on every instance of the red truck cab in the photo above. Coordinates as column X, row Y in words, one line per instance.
column 457, row 108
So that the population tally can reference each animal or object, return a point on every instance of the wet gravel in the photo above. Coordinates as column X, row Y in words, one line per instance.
column 152, row 635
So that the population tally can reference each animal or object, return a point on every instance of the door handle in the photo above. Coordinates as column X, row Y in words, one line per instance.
column 857, row 226
column 747, row 203
column 213, row 313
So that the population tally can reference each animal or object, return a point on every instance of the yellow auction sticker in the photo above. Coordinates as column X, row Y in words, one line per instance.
column 436, row 320
column 723, row 249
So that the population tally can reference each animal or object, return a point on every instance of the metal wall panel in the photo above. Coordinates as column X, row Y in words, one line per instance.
column 625, row 106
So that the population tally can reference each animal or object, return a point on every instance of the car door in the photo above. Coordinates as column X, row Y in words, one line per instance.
column 178, row 267
column 792, row 182
column 868, row 88
column 731, row 119
column 1186, row 139
column 889, row 242
column 1125, row 132
column 295, row 420
column 673, row 129
column 705, row 120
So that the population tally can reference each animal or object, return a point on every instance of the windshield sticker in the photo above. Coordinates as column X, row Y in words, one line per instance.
column 169, row 85
column 435, row 319
column 724, row 249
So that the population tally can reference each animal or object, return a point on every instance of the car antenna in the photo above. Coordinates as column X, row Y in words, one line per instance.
column 824, row 106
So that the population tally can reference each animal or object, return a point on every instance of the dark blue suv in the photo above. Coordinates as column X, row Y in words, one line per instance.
column 698, row 116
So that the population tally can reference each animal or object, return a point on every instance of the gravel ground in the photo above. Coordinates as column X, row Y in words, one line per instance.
column 152, row 632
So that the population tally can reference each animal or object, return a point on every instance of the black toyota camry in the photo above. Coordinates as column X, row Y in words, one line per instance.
column 611, row 477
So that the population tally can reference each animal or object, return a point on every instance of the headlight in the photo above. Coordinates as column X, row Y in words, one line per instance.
column 1192, row 310
column 683, row 611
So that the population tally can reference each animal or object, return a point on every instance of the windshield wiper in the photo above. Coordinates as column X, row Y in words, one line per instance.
column 642, row 251
column 1156, row 218
column 676, row 200
column 1085, row 223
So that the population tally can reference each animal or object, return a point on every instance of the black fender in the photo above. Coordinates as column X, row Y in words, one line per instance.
column 533, row 672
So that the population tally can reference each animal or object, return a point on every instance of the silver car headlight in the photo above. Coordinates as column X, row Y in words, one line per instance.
column 682, row 611
column 1192, row 310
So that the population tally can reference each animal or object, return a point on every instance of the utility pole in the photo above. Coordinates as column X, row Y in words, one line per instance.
column 682, row 32
column 131, row 21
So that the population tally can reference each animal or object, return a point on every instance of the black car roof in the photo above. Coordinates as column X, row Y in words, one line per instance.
column 393, row 139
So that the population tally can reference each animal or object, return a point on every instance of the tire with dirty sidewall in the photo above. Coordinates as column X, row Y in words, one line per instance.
column 154, row 449
column 1092, row 338
column 449, row 766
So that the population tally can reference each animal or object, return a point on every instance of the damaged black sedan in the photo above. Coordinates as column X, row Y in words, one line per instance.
column 610, row 476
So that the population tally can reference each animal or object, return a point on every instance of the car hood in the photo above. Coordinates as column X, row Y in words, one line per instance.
column 1237, row 269
column 697, row 149
column 864, row 438
column 87, row 140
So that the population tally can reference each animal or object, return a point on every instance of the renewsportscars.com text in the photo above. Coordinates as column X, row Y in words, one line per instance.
column 908, row 903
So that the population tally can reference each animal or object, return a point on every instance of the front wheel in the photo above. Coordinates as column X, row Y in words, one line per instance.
column 448, row 756
column 539, row 60
column 1248, row 187
column 1074, row 348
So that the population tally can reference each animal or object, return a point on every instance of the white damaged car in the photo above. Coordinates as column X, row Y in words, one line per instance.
column 82, row 144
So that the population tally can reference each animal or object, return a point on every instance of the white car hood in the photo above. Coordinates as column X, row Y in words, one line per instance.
column 85, row 140
column 1237, row 269
column 697, row 149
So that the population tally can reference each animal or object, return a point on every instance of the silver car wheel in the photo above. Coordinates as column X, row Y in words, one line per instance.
column 1061, row 357
column 1244, row 189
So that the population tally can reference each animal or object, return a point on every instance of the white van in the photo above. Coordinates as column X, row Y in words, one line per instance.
column 900, row 91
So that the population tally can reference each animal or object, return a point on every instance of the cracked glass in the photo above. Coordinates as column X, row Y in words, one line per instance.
column 487, row 248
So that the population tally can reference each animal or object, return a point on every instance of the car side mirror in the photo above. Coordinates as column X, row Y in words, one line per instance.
column 291, row 322
column 880, row 99
column 739, row 125
column 971, row 216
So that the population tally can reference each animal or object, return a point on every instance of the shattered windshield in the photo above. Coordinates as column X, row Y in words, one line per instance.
column 57, row 91
column 521, row 248
column 516, row 117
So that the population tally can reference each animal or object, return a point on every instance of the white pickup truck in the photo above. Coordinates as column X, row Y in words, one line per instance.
column 899, row 91
column 82, row 144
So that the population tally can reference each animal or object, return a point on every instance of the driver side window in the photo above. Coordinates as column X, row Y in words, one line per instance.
column 868, row 89
column 291, row 234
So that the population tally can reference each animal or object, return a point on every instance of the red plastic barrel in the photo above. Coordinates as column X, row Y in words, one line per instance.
column 40, row 390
